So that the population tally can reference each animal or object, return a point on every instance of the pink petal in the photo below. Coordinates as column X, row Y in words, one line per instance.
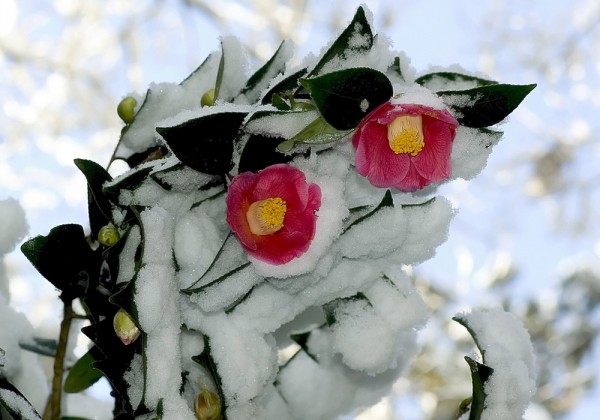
column 433, row 162
column 375, row 159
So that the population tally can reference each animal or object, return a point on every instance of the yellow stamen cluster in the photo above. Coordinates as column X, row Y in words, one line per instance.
column 266, row 216
column 405, row 135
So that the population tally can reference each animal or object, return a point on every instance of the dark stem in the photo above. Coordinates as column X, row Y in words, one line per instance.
column 53, row 407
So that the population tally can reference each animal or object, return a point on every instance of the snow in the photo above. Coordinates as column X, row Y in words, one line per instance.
column 18, row 404
column 506, row 347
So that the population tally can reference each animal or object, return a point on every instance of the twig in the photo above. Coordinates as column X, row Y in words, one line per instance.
column 53, row 407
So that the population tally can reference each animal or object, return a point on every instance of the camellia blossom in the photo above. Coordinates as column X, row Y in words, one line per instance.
column 405, row 146
column 272, row 212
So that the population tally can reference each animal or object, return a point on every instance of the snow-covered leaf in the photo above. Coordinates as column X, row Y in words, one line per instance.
column 284, row 87
column 346, row 44
column 15, row 403
column 260, row 80
column 486, row 105
column 345, row 97
column 205, row 143
column 365, row 212
column 444, row 78
column 480, row 373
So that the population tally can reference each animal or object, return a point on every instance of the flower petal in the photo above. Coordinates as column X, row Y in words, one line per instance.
column 375, row 159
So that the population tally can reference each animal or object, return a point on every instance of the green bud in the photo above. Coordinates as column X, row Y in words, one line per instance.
column 207, row 405
column 208, row 98
column 126, row 109
column 108, row 235
column 125, row 328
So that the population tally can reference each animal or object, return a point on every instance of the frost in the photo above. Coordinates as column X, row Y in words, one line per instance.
column 415, row 94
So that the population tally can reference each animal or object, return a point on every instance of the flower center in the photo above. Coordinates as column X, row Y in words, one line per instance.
column 405, row 134
column 266, row 216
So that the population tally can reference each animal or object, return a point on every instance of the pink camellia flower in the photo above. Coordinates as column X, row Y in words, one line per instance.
column 272, row 212
column 405, row 146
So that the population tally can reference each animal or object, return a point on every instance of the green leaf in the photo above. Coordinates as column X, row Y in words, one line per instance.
column 260, row 152
column 317, row 132
column 346, row 96
column 114, row 358
column 356, row 38
column 65, row 259
column 220, row 71
column 43, row 346
column 99, row 208
column 260, row 80
column 443, row 78
column 83, row 374
column 366, row 212
column 486, row 105
column 479, row 375
column 205, row 143
column 15, row 403
column 284, row 87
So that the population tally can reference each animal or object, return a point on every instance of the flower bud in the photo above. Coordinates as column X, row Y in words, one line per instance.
column 126, row 109
column 125, row 328
column 207, row 405
column 208, row 98
column 108, row 235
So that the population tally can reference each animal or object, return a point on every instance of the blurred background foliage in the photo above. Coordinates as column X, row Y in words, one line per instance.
column 526, row 236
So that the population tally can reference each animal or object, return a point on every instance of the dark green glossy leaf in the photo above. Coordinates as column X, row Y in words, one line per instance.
column 43, row 346
column 486, row 105
column 346, row 96
column 368, row 211
column 317, row 132
column 205, row 143
column 479, row 375
column 345, row 44
column 284, row 87
column 433, row 80
column 260, row 152
column 65, row 259
column 24, row 410
column 260, row 80
column 83, row 374
column 99, row 208
column 115, row 358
